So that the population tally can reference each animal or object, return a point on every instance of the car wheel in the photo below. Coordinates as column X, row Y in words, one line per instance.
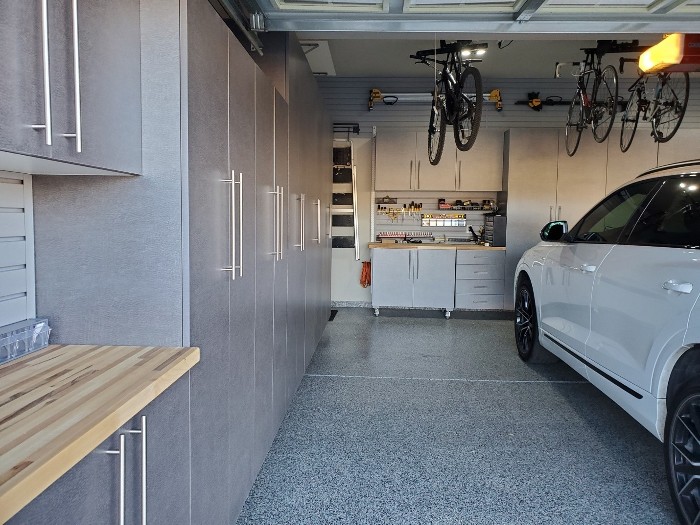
column 526, row 331
column 682, row 454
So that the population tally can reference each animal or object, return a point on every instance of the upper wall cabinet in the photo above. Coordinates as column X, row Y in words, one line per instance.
column 481, row 168
column 70, row 85
column 402, row 163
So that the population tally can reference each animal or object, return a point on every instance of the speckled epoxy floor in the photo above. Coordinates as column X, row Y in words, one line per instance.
column 426, row 421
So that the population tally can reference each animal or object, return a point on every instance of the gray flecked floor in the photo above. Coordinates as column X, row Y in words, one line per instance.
column 430, row 421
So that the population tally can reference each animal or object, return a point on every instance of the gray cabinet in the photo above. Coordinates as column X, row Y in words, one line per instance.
column 441, row 177
column 85, row 90
column 412, row 277
column 396, row 161
column 89, row 492
column 479, row 279
column 481, row 168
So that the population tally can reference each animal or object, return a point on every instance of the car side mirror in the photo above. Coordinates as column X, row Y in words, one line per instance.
column 554, row 231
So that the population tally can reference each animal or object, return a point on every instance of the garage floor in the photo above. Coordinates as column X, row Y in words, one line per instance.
column 424, row 420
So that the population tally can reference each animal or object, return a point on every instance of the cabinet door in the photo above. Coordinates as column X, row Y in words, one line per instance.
column 281, row 366
column 209, row 230
column 434, row 283
column 442, row 177
column 481, row 168
column 532, row 184
column 392, row 277
column 108, row 114
column 581, row 178
column 264, row 264
column 242, row 315
column 22, row 94
column 396, row 161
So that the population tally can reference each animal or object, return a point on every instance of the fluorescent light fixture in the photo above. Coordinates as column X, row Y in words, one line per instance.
column 466, row 52
column 666, row 53
column 480, row 52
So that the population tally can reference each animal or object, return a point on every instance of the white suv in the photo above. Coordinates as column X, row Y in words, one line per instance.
column 616, row 299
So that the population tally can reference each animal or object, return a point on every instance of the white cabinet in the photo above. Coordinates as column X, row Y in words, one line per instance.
column 413, row 277
column 442, row 177
column 402, row 163
column 581, row 178
column 396, row 161
column 481, row 168
column 479, row 281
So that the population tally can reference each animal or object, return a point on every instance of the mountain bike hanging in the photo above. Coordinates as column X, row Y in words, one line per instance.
column 458, row 96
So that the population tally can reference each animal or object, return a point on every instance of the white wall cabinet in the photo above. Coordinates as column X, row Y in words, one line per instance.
column 403, row 164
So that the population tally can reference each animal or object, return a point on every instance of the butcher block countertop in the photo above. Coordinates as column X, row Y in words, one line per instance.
column 59, row 403
column 432, row 246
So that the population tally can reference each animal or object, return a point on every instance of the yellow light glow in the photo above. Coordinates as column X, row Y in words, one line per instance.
column 666, row 53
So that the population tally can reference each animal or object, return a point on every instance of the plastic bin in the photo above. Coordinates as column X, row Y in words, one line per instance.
column 22, row 338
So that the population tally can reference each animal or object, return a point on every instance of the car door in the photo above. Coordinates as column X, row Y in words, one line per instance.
column 646, row 287
column 570, row 267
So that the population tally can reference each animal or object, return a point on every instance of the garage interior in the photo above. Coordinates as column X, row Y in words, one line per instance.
column 215, row 230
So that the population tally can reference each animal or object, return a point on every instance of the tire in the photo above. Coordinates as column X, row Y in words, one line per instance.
column 436, row 132
column 468, row 115
column 630, row 119
column 671, row 103
column 526, row 330
column 604, row 104
column 574, row 125
column 681, row 449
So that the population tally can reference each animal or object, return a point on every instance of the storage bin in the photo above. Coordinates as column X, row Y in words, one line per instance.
column 22, row 338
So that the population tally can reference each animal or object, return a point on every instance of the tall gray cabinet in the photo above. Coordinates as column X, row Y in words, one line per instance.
column 201, row 250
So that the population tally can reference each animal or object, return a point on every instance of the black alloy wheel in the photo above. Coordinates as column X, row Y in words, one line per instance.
column 682, row 447
column 526, row 331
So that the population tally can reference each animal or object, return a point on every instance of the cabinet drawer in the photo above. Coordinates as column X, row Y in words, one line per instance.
column 479, row 271
column 479, row 286
column 480, row 256
column 472, row 301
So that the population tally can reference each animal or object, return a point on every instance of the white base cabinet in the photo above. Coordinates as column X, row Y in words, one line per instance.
column 412, row 277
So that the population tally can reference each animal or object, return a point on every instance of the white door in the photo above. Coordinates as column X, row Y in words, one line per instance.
column 437, row 178
column 569, row 269
column 396, row 161
column 646, row 288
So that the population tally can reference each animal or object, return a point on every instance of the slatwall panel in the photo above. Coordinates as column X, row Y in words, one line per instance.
column 347, row 101
column 16, row 249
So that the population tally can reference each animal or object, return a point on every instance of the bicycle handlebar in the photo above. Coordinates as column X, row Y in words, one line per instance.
column 557, row 67
column 624, row 61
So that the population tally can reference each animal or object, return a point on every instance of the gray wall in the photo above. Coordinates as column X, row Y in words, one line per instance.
column 108, row 250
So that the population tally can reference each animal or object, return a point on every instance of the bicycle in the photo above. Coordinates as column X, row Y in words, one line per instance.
column 600, row 108
column 665, row 111
column 458, row 95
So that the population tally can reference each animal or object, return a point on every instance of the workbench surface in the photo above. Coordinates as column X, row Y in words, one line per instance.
column 432, row 246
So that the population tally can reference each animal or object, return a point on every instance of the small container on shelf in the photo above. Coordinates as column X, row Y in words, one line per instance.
column 22, row 338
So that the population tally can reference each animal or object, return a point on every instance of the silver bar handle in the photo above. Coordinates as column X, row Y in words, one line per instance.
column 47, row 73
column 78, row 135
column 417, row 264
column 418, row 176
column 232, row 221
column 301, row 223
column 460, row 175
column 281, row 222
column 410, row 258
column 410, row 175
column 144, row 452
column 559, row 214
column 317, row 239
column 240, row 223
column 274, row 223
column 122, row 477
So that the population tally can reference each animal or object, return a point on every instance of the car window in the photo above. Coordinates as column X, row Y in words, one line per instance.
column 605, row 222
column 672, row 218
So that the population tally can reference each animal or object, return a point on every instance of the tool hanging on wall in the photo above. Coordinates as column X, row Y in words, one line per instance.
column 536, row 103
column 390, row 99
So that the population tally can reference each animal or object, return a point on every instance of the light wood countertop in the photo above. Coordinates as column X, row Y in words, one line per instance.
column 59, row 403
column 429, row 246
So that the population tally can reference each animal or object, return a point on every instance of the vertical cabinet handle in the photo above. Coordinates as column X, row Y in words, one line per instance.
column 47, row 75
column 301, row 223
column 122, row 477
column 240, row 223
column 417, row 264
column 418, row 176
column 78, row 135
column 410, row 175
column 459, row 186
column 275, row 218
column 144, row 452
column 318, row 221
column 410, row 258
column 281, row 222
column 232, row 221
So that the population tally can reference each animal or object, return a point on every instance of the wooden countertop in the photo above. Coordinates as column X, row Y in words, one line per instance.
column 429, row 246
column 59, row 403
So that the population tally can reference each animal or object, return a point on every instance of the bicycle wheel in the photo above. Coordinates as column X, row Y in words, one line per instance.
column 604, row 104
column 630, row 119
column 670, row 104
column 574, row 124
column 471, row 101
column 436, row 131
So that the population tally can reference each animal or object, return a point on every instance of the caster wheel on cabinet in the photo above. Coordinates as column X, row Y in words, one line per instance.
column 376, row 312
column 447, row 314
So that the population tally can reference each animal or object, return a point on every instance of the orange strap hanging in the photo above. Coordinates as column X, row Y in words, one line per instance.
column 366, row 277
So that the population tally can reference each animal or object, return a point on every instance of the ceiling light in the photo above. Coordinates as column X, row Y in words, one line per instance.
column 466, row 52
column 682, row 184
column 692, row 188
column 676, row 52
column 480, row 52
